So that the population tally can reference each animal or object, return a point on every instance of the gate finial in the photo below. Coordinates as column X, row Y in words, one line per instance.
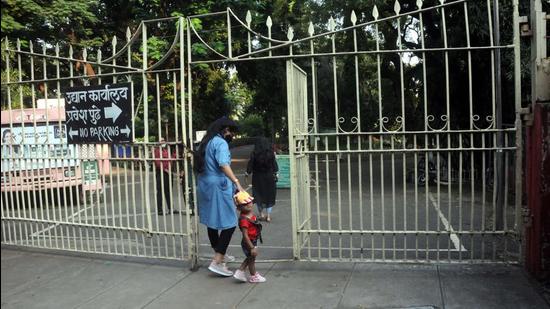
column 310, row 29
column 419, row 4
column 353, row 17
column 375, row 12
column 268, row 22
column 114, row 42
column 396, row 7
column 248, row 18
column 290, row 34
column 70, row 52
column 331, row 24
column 128, row 34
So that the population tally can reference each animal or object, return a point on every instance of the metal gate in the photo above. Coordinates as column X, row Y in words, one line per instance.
column 370, row 181
column 299, row 161
column 105, row 198
column 446, row 193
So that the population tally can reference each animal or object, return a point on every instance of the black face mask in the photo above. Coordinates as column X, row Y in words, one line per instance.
column 228, row 138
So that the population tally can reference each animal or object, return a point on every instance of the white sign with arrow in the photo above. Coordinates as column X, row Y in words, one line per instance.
column 87, row 125
column 73, row 133
column 112, row 112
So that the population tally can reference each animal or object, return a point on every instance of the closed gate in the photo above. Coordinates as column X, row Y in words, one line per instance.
column 410, row 153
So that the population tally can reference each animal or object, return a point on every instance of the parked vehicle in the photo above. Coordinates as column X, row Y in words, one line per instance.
column 36, row 155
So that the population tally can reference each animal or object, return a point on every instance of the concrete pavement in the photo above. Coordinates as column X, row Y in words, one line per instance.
column 36, row 279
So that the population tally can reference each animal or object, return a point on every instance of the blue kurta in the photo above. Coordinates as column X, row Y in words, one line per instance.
column 214, row 189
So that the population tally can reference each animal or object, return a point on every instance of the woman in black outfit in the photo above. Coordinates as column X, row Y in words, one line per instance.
column 263, row 167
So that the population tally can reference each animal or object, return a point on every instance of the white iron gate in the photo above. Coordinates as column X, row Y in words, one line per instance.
column 444, row 192
column 299, row 162
column 104, row 197
column 379, row 172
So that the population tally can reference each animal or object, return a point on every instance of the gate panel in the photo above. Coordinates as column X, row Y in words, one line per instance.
column 299, row 163
column 394, row 172
column 371, row 202
column 430, row 188
column 99, row 198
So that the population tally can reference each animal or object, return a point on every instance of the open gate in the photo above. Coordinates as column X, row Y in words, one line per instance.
column 299, row 161
column 438, row 190
column 101, row 196
column 370, row 182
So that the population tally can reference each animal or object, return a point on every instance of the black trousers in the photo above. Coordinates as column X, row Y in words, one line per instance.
column 163, row 176
column 220, row 242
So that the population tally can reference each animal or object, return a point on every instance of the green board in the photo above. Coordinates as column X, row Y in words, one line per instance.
column 90, row 172
column 283, row 161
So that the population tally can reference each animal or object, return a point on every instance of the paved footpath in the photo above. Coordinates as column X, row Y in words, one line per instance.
column 36, row 279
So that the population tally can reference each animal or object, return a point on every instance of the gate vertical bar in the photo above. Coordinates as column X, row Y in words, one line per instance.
column 146, row 127
column 229, row 47
column 292, row 153
column 519, row 130
column 498, row 180
column 193, row 242
column 9, row 194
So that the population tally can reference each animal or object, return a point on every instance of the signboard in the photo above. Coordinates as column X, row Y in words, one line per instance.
column 43, row 146
column 283, row 161
column 90, row 172
column 99, row 114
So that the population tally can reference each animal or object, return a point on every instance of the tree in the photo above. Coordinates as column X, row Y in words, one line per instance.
column 94, row 23
column 70, row 21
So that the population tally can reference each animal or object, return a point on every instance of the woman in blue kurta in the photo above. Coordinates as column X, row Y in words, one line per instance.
column 215, row 188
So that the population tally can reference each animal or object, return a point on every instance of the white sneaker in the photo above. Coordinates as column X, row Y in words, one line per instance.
column 257, row 278
column 240, row 275
column 220, row 269
column 228, row 258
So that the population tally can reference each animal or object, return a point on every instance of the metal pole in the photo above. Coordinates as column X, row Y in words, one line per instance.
column 146, row 129
column 518, row 226
column 229, row 49
column 291, row 148
column 540, row 62
column 499, row 179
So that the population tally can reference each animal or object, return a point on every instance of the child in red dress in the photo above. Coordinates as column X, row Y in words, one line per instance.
column 251, row 230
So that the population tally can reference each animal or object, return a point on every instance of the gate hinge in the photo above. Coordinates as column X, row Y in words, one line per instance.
column 524, row 27
column 527, row 115
column 527, row 218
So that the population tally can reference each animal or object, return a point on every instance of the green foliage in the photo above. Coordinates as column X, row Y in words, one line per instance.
column 251, row 125
column 9, row 24
column 255, row 91
column 156, row 47
column 18, row 94
column 240, row 96
column 72, row 21
column 210, row 96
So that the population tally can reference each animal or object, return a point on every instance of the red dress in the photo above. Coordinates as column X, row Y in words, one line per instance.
column 251, row 228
